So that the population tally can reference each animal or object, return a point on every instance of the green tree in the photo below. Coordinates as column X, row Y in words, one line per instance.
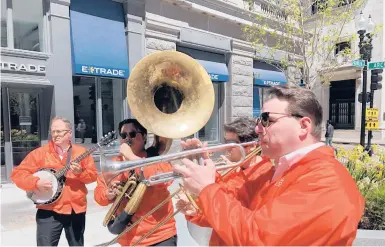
column 307, row 32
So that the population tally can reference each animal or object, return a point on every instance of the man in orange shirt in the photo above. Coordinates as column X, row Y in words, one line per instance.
column 69, row 211
column 308, row 198
column 239, row 131
column 132, row 131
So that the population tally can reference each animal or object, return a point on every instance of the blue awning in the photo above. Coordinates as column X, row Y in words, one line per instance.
column 218, row 71
column 99, row 45
column 266, row 78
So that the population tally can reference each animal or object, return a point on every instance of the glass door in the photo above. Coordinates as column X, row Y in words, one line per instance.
column 20, row 126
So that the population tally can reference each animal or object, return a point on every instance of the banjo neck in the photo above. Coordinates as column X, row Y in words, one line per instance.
column 62, row 172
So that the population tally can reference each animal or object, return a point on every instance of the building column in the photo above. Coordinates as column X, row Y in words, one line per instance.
column 59, row 68
column 135, row 13
column 239, row 93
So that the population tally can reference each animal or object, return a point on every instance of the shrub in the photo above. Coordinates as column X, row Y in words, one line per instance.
column 368, row 172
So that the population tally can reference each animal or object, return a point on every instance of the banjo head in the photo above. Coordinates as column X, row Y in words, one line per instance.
column 45, row 196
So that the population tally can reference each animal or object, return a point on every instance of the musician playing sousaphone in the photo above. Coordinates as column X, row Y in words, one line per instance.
column 241, row 130
column 69, row 210
column 131, row 131
column 308, row 198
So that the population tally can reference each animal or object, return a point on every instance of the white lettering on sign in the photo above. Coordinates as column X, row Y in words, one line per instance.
column 102, row 71
column 31, row 68
column 271, row 83
column 214, row 76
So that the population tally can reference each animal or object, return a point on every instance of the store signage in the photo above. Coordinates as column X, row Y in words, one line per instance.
column 101, row 71
column 214, row 77
column 272, row 83
column 31, row 68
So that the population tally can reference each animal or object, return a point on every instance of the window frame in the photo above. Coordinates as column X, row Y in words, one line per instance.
column 45, row 47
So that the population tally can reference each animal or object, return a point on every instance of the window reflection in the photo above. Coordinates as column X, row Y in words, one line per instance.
column 210, row 132
column 107, row 105
column 85, row 109
column 28, row 24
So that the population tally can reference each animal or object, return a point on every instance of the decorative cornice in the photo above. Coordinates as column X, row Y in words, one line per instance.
column 24, row 80
column 62, row 2
column 158, row 29
column 24, row 54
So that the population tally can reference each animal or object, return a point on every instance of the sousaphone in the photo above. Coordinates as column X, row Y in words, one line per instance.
column 173, row 97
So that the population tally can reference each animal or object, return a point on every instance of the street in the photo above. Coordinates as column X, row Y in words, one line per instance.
column 18, row 227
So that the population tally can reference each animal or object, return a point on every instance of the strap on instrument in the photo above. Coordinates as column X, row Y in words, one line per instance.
column 69, row 153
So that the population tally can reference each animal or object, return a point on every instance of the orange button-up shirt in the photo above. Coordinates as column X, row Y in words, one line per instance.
column 74, row 192
column 314, row 202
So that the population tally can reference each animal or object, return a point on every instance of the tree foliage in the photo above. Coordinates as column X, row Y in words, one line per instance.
column 307, row 32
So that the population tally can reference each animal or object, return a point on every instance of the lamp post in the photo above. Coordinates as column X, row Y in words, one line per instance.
column 363, row 26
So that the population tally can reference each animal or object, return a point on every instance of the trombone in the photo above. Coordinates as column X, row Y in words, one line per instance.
column 110, row 169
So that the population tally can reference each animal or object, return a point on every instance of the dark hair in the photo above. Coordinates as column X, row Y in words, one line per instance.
column 243, row 127
column 301, row 101
column 136, row 124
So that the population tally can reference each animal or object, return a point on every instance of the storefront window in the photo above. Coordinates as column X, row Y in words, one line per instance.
column 28, row 24
column 111, row 95
column 3, row 23
column 210, row 132
column 85, row 109
column 97, row 107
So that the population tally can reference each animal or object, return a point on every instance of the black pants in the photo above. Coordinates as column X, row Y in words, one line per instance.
column 50, row 226
column 168, row 242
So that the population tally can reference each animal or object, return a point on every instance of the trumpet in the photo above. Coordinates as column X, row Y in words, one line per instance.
column 111, row 169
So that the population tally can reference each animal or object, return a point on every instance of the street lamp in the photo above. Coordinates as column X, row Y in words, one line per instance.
column 365, row 26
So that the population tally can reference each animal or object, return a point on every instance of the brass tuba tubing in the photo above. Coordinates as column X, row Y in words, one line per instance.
column 113, row 168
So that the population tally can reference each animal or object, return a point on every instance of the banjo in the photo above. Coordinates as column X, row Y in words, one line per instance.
column 58, row 178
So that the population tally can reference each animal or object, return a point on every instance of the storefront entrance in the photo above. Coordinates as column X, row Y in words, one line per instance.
column 20, row 127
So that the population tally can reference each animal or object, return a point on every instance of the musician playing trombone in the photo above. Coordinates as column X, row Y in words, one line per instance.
column 132, row 132
column 307, row 198
column 241, row 130
column 69, row 211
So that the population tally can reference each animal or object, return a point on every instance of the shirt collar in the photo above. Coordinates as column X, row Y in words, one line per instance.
column 286, row 161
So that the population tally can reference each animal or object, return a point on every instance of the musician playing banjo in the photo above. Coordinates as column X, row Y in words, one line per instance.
column 69, row 210
column 131, row 131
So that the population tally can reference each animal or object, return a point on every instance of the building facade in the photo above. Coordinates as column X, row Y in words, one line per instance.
column 72, row 58
column 340, row 98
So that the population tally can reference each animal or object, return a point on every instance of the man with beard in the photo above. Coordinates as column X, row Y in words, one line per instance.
column 308, row 198
column 69, row 211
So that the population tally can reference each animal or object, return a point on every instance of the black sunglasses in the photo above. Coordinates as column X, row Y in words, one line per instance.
column 132, row 134
column 265, row 121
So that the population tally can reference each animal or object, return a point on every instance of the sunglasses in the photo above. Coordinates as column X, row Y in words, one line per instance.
column 265, row 121
column 131, row 134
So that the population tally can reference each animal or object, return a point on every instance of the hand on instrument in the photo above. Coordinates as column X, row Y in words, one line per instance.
column 127, row 152
column 76, row 168
column 44, row 185
column 196, row 177
column 112, row 190
column 194, row 143
column 184, row 205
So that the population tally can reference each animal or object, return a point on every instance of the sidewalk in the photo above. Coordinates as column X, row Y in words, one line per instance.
column 18, row 227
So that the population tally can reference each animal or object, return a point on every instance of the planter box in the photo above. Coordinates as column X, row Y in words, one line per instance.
column 370, row 238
